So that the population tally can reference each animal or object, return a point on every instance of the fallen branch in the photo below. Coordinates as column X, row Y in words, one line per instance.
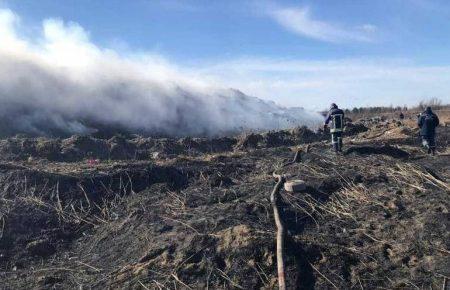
column 280, row 230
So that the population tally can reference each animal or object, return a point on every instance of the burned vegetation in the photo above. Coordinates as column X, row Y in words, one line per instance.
column 195, row 213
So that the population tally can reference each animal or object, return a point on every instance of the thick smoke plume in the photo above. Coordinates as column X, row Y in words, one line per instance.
column 60, row 83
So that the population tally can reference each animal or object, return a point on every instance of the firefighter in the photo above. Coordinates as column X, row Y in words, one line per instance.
column 336, row 116
column 427, row 122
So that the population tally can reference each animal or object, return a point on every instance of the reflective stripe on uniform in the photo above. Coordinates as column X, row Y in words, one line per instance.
column 337, row 124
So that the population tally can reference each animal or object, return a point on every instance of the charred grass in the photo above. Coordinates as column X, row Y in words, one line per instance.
column 369, row 219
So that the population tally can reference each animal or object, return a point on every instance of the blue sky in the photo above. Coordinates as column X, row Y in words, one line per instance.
column 297, row 53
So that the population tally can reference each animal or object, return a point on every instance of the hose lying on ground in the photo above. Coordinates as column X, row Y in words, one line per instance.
column 281, row 231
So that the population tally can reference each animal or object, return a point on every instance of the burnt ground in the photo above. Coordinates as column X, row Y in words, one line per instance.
column 142, row 213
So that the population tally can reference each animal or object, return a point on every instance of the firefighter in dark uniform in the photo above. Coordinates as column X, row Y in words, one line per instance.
column 427, row 122
column 336, row 117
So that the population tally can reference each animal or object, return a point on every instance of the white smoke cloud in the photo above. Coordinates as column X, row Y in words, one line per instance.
column 59, row 81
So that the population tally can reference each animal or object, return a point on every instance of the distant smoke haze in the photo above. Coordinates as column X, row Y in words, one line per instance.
column 60, row 82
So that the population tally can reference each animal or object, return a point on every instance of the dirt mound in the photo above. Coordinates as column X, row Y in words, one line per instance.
column 299, row 135
column 384, row 150
column 202, row 145
column 354, row 128
column 121, row 148
column 77, row 148
column 223, row 144
column 304, row 135
column 42, row 211
column 403, row 131
column 277, row 139
column 248, row 141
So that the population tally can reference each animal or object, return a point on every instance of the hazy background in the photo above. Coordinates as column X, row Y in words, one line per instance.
column 59, row 82
column 190, row 66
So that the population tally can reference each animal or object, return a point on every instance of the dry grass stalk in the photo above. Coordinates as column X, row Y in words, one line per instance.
column 226, row 277
column 414, row 176
column 179, row 281
column 323, row 276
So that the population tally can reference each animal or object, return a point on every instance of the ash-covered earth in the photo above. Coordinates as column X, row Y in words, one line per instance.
column 194, row 213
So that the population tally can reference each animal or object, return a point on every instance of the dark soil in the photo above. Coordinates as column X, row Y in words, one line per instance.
column 195, row 213
column 385, row 150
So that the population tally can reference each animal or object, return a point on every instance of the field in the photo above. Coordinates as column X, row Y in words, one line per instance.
column 194, row 213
